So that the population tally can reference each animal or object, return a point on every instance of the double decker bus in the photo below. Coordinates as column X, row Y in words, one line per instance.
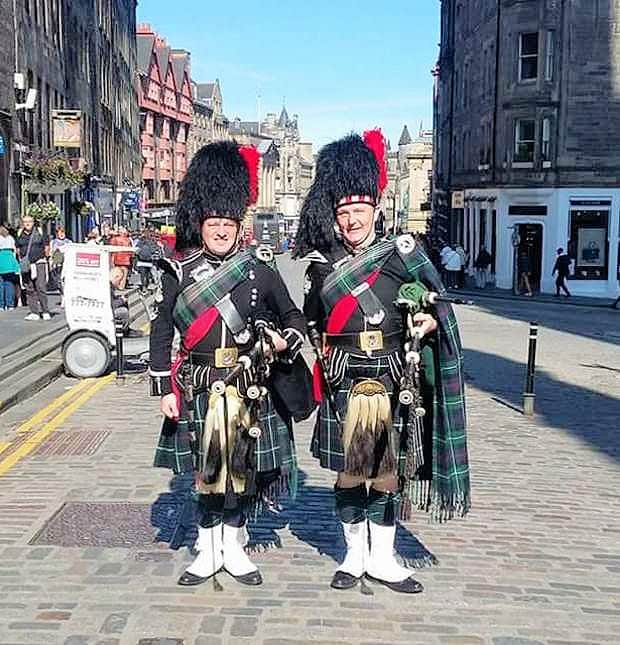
column 269, row 230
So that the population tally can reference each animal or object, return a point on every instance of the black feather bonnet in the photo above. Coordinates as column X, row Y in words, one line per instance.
column 352, row 169
column 221, row 181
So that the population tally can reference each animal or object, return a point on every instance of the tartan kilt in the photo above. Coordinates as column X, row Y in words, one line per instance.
column 326, row 445
column 275, row 448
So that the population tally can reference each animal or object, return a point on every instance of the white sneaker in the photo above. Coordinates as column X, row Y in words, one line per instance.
column 46, row 316
column 32, row 317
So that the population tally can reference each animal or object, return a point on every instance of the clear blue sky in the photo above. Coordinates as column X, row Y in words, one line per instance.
column 341, row 65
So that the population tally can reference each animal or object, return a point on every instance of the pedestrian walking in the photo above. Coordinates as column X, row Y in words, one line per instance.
column 481, row 264
column 381, row 455
column 57, row 257
column 33, row 251
column 148, row 253
column 562, row 268
column 524, row 266
column 122, row 259
column 231, row 309
column 464, row 256
column 453, row 266
column 9, row 269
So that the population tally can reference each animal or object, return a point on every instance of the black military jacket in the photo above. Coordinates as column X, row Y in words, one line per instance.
column 393, row 274
column 263, row 296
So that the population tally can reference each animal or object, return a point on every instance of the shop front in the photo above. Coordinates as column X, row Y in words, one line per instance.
column 525, row 227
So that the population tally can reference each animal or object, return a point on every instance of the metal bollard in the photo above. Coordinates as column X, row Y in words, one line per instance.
column 528, row 394
column 120, row 359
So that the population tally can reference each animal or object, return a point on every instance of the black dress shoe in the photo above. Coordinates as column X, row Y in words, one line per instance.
column 251, row 579
column 191, row 579
column 408, row 585
column 343, row 580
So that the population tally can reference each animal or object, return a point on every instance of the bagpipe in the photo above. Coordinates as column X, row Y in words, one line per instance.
column 413, row 298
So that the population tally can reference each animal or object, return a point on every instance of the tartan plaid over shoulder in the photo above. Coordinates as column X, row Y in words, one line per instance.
column 450, row 490
column 201, row 295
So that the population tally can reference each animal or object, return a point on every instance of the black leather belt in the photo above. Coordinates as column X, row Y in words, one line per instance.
column 391, row 341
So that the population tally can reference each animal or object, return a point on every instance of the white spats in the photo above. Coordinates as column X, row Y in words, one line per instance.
column 356, row 539
column 210, row 557
column 381, row 563
column 236, row 560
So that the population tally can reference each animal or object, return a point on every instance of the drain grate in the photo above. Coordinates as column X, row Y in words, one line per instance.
column 72, row 443
column 106, row 524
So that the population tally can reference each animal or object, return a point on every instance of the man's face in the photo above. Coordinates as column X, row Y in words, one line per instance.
column 219, row 234
column 355, row 222
column 28, row 223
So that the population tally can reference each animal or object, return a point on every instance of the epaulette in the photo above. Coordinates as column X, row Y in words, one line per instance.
column 315, row 256
column 171, row 267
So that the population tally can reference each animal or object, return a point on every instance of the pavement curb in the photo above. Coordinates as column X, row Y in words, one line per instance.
column 469, row 293
column 42, row 376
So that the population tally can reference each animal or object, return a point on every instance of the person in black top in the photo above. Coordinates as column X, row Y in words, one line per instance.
column 562, row 267
column 33, row 250
column 234, row 434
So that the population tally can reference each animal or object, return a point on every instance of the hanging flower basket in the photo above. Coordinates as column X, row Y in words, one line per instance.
column 44, row 211
column 53, row 170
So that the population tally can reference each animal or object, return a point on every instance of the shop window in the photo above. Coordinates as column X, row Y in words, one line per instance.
column 524, row 140
column 588, row 245
column 528, row 57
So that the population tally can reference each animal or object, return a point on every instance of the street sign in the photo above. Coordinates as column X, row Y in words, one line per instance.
column 131, row 200
column 458, row 199
column 2, row 146
column 67, row 128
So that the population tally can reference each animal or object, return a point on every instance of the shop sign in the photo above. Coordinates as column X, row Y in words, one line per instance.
column 67, row 128
column 458, row 199
column 2, row 146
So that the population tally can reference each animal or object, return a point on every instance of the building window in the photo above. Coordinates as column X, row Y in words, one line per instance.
column 545, row 144
column 528, row 57
column 524, row 140
column 549, row 49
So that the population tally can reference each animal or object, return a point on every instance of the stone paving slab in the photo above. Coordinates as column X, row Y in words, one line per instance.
column 537, row 561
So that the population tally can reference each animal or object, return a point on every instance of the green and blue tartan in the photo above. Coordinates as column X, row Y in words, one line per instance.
column 201, row 295
column 275, row 448
column 450, row 489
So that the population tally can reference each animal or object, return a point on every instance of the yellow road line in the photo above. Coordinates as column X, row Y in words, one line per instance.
column 4, row 445
column 38, row 437
column 42, row 414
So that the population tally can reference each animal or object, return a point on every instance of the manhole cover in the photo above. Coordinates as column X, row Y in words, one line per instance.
column 113, row 524
column 74, row 443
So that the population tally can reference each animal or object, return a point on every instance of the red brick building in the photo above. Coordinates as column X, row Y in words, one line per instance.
column 165, row 98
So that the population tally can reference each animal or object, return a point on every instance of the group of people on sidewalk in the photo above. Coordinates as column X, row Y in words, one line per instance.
column 388, row 380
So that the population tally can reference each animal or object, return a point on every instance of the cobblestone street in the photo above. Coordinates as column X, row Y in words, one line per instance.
column 536, row 561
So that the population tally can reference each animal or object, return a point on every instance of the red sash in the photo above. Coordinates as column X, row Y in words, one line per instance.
column 195, row 333
column 336, row 322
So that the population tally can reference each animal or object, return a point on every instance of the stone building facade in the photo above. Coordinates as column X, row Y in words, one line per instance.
column 209, row 123
column 166, row 112
column 77, row 55
column 528, row 143
column 7, row 103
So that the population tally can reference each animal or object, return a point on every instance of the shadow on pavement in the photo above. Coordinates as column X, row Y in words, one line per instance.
column 310, row 518
column 599, row 324
column 591, row 416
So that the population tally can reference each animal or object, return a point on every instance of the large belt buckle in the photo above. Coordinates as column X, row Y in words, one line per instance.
column 226, row 356
column 371, row 341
